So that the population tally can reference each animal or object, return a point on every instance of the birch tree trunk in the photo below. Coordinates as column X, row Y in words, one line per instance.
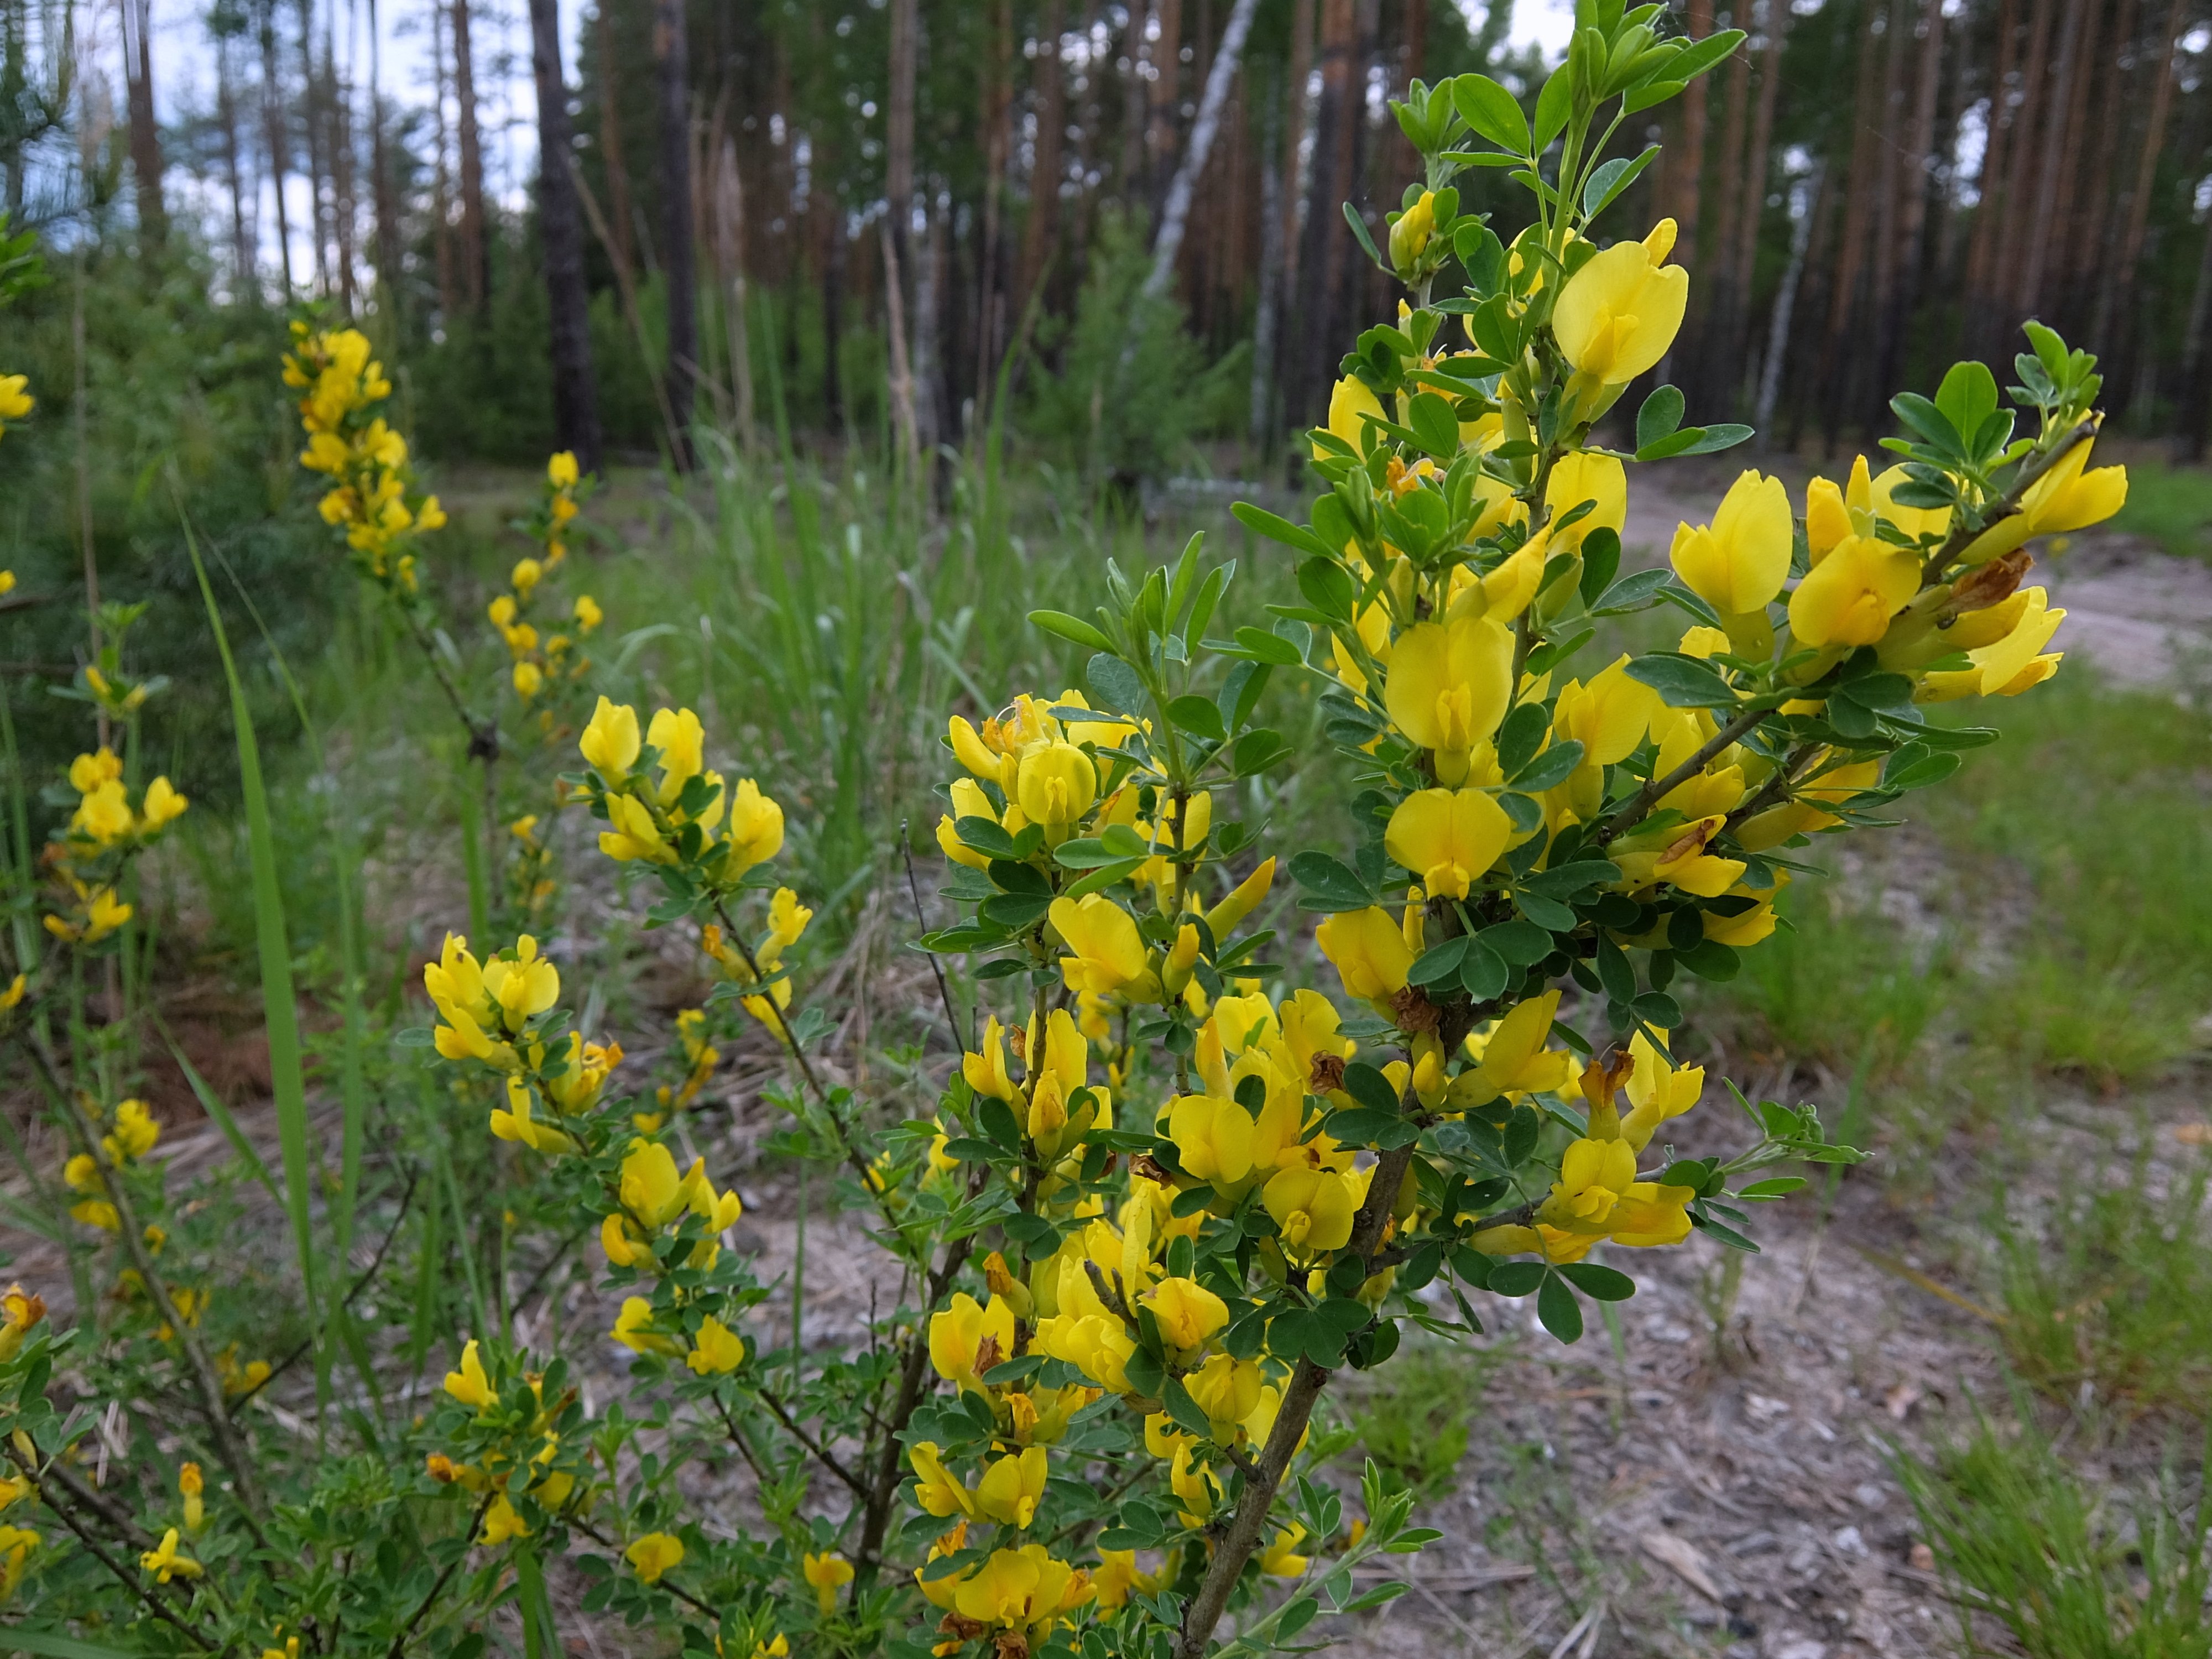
column 1175, row 213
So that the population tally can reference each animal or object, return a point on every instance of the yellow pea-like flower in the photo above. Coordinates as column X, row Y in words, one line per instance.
column 1189, row 1316
column 651, row 1556
column 826, row 1573
column 1349, row 403
column 471, row 1385
column 1105, row 953
column 1012, row 1487
column 1619, row 315
column 611, row 741
column 1738, row 563
column 1849, row 596
column 165, row 1562
column 1056, row 785
column 1314, row 1208
column 1369, row 951
column 1448, row 838
column 1448, row 687
column 755, row 830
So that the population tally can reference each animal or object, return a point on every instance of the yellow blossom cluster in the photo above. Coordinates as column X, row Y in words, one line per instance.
column 372, row 495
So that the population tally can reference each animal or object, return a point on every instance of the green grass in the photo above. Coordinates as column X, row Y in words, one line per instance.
column 2066, row 1571
column 2114, row 1289
column 1415, row 1416
column 2171, row 504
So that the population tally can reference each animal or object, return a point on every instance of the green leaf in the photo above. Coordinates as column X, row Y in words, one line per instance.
column 1557, row 1307
column 1968, row 396
column 1702, row 55
column 1198, row 714
column 1115, row 683
column 1553, row 105
column 1600, row 1283
column 1367, row 1085
column 1435, row 425
column 1549, row 770
column 982, row 835
column 1601, row 563
column 1184, row 1409
column 1276, row 528
column 1520, row 737
column 53, row 1644
column 1439, row 964
column 1262, row 646
column 1515, row 1279
column 1778, row 1187
column 1072, row 628
column 1328, row 587
column 279, row 1006
column 1682, row 682
column 1493, row 111
column 1520, row 943
column 1328, row 882
column 1659, row 417
column 1607, row 184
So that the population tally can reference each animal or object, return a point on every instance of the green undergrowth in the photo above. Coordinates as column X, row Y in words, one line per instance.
column 2065, row 1567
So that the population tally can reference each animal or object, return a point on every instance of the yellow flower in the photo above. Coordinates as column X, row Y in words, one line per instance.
column 1188, row 1314
column 104, row 815
column 1026, row 1589
column 1194, row 1486
column 1657, row 1090
column 162, row 806
column 14, row 402
column 190, row 1486
column 16, row 1544
column 2008, row 665
column 1245, row 898
column 611, row 741
column 1512, row 1058
column 1848, row 598
column 1585, row 475
column 501, row 1523
column 165, row 1564
column 1448, row 687
column 1739, row 564
column 826, row 1573
column 518, row 1123
column 1056, row 784
column 529, row 680
column 655, row 1554
column 756, row 831
column 587, row 613
column 1619, row 315
column 6, row 577
column 561, row 469
column 936, row 1490
column 1409, row 236
column 1227, row 1390
column 471, row 1385
column 19, row 1311
column 1106, row 953
column 526, row 576
column 1593, row 1174
column 2067, row 497
column 1448, row 838
column 134, row 1134
column 717, row 1351
column 11, row 994
column 1349, row 402
column 1313, row 1207
column 1281, row 1559
column 633, row 1329
column 967, row 1339
column 1012, row 1487
column 1369, row 951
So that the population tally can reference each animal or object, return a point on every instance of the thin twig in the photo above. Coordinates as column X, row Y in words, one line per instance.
column 1639, row 805
column 345, row 1302
column 2007, row 504
column 131, row 1581
column 134, row 1242
column 438, row 1587
column 821, row 1453
column 914, row 890
column 680, row 1594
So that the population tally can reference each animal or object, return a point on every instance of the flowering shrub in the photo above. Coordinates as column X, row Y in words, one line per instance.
column 1163, row 1200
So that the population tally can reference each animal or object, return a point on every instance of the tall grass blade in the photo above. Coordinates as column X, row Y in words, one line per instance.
column 279, row 1009
column 472, row 862
column 212, row 1104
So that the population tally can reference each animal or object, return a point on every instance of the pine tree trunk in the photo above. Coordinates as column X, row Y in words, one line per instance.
column 622, row 204
column 311, row 123
column 730, row 267
column 476, row 245
column 679, row 264
column 2120, row 273
column 2021, row 181
column 1042, row 228
column 1912, row 207
column 2050, row 173
column 1164, row 102
column 1327, row 185
column 2060, row 256
column 990, row 294
column 384, row 194
column 1777, row 22
column 1267, row 307
column 1982, row 246
column 1718, row 370
column 1850, row 256
column 273, row 117
column 145, row 133
column 1300, row 109
column 241, row 243
column 561, row 231
column 344, row 207
column 2100, row 221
